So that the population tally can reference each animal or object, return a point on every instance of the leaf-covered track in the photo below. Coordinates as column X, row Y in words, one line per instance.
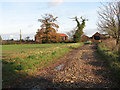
column 83, row 68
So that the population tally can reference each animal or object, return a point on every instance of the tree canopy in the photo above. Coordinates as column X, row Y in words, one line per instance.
column 48, row 29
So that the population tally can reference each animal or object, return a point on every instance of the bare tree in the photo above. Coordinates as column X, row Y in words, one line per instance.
column 71, row 33
column 108, row 19
column 27, row 38
column 119, row 27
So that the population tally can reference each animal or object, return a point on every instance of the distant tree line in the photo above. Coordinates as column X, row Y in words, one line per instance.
column 8, row 42
column 27, row 40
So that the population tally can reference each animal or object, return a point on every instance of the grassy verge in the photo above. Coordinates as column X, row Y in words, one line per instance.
column 111, row 58
column 24, row 60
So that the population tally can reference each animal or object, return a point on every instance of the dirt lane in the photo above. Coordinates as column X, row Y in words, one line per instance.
column 83, row 68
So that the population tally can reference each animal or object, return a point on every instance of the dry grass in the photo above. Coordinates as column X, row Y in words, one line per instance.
column 110, row 44
column 108, row 50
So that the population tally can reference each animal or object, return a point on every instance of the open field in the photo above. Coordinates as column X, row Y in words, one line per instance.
column 25, row 60
column 82, row 67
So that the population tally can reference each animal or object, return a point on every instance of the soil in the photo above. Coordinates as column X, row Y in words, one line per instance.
column 81, row 68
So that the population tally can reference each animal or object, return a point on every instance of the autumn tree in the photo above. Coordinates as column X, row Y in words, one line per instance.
column 48, row 28
column 79, row 31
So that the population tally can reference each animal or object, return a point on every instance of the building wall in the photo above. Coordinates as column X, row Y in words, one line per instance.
column 64, row 38
column 39, row 41
column 97, row 37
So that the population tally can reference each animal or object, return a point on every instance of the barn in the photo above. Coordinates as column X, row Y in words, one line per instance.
column 97, row 37
column 63, row 36
column 84, row 38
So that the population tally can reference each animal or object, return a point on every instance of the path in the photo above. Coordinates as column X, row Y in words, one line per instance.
column 82, row 68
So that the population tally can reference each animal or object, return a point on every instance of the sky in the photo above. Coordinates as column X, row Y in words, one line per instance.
column 16, row 16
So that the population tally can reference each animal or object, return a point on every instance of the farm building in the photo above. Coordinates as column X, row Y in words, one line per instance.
column 63, row 36
column 84, row 38
column 97, row 37
column 59, row 36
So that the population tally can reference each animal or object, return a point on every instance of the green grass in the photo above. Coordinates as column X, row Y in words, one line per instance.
column 111, row 58
column 22, row 60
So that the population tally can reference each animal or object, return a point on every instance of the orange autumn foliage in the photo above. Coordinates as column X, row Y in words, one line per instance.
column 47, row 33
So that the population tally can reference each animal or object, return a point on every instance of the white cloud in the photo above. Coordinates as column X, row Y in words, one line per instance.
column 56, row 2
column 90, row 31
column 11, row 36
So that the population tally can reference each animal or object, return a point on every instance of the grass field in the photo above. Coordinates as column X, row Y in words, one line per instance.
column 112, row 59
column 19, row 61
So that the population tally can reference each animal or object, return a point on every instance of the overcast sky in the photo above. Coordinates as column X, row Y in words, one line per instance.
column 24, row 15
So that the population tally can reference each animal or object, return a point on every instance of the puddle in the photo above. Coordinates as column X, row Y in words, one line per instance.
column 84, row 58
column 59, row 67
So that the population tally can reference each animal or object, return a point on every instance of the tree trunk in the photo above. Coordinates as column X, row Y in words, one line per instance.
column 117, row 41
column 119, row 29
